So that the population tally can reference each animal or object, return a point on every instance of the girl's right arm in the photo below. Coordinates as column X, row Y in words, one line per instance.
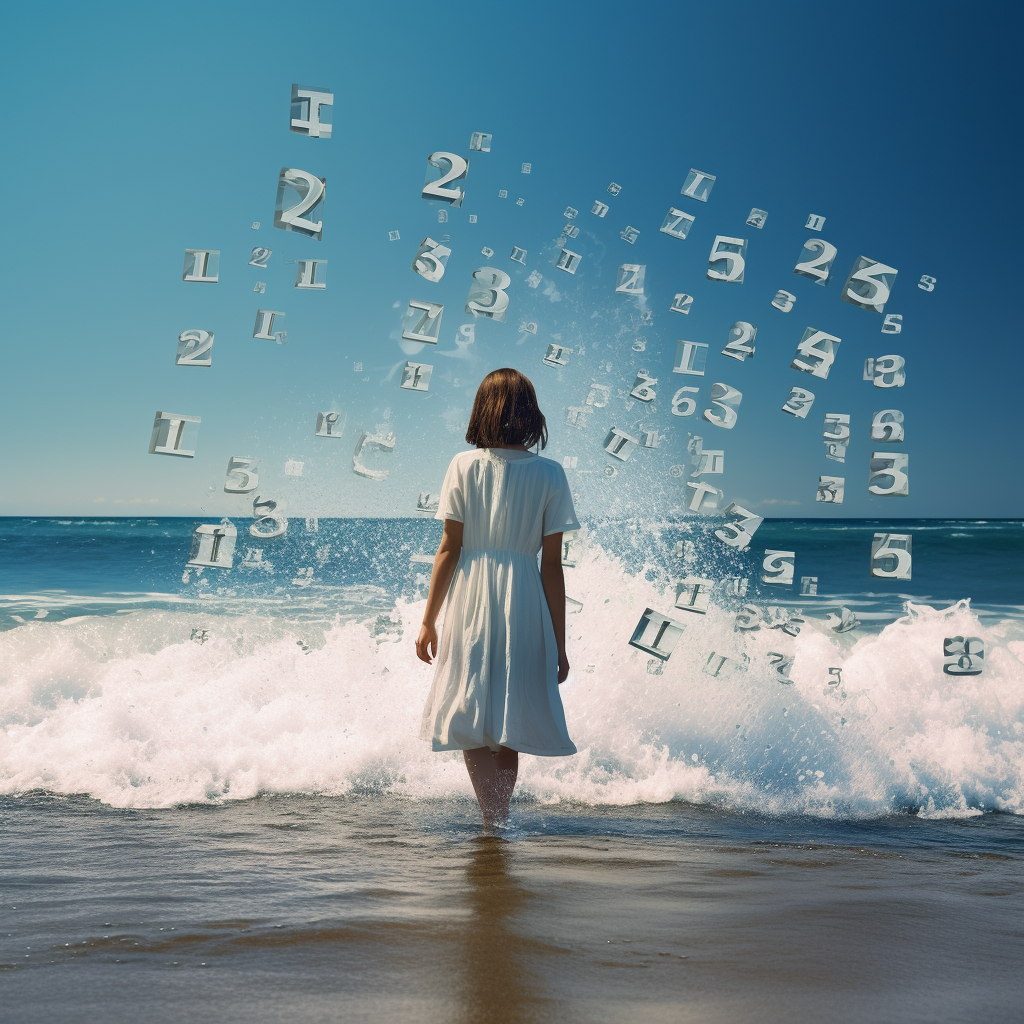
column 553, row 579
column 445, row 561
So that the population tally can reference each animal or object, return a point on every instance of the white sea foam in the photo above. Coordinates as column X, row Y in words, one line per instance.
column 128, row 710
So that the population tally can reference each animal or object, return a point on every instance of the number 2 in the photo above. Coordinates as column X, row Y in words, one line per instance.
column 741, row 341
column 192, row 345
column 457, row 168
column 816, row 267
column 312, row 190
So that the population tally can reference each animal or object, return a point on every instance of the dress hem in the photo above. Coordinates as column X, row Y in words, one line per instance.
column 534, row 751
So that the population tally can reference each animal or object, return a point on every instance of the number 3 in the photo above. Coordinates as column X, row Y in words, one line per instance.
column 489, row 284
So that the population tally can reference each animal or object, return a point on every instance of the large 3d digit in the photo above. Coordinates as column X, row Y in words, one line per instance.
column 816, row 260
column 741, row 341
column 279, row 525
column 682, row 403
column 734, row 252
column 457, row 168
column 889, row 474
column 818, row 350
column 194, row 348
column 869, row 284
column 739, row 533
column 312, row 191
column 241, row 475
column 487, row 296
column 891, row 556
column 423, row 321
column 887, row 425
column 430, row 260
column 889, row 372
column 726, row 399
column 778, row 566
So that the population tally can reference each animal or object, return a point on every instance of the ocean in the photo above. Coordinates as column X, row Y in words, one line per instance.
column 215, row 800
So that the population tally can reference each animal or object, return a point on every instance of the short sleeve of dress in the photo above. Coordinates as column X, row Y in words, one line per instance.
column 452, row 503
column 559, row 513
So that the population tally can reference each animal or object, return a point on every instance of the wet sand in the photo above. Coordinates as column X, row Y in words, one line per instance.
column 301, row 909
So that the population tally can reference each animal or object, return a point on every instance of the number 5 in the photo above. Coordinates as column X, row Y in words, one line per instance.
column 242, row 477
column 735, row 253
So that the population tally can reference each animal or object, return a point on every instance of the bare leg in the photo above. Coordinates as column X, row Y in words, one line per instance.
column 494, row 778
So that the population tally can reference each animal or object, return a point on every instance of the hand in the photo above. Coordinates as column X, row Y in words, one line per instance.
column 563, row 667
column 426, row 643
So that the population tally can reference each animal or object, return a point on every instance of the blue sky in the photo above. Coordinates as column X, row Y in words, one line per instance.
column 135, row 131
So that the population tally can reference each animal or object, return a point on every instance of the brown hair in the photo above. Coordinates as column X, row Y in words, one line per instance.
column 505, row 412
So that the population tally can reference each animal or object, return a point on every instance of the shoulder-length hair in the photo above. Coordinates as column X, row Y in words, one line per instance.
column 505, row 412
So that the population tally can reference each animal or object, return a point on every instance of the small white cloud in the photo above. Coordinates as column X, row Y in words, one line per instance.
column 778, row 501
column 99, row 501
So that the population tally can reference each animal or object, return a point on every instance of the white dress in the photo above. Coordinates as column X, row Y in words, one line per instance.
column 496, row 672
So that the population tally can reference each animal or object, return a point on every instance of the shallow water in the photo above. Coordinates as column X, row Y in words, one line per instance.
column 293, row 908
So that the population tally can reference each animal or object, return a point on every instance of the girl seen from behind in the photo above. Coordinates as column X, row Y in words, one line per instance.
column 501, row 654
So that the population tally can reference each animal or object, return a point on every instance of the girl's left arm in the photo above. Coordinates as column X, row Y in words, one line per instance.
column 445, row 561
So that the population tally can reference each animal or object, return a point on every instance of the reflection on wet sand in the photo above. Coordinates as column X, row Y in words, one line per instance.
column 496, row 985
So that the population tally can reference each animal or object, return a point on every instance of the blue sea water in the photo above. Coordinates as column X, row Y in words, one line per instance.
column 134, row 679
column 215, row 801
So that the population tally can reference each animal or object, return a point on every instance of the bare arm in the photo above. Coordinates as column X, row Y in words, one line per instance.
column 445, row 561
column 554, row 590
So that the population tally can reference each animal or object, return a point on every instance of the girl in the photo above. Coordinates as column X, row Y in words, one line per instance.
column 502, row 650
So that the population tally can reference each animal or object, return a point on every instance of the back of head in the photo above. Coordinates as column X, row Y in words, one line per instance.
column 505, row 412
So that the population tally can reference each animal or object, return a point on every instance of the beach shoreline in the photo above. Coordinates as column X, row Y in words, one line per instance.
column 306, row 908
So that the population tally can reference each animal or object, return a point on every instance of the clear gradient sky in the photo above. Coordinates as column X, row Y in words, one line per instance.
column 133, row 131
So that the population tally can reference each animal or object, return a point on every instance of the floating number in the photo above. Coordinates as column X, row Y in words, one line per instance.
column 784, row 300
column 487, row 296
column 431, row 258
column 726, row 398
column 781, row 664
column 682, row 403
column 777, row 567
column 888, row 372
column 799, row 402
column 836, row 433
column 643, row 388
column 738, row 534
column 869, row 284
column 926, row 283
column 457, row 168
column 278, row 524
column 887, row 425
column 423, row 321
column 891, row 556
column 213, row 546
column 312, row 191
column 741, row 341
column 961, row 653
column 816, row 260
column 830, row 488
column 734, row 252
column 677, row 223
column 241, row 475
column 630, row 279
column 818, row 352
column 260, row 256
column 192, row 345
column 889, row 474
